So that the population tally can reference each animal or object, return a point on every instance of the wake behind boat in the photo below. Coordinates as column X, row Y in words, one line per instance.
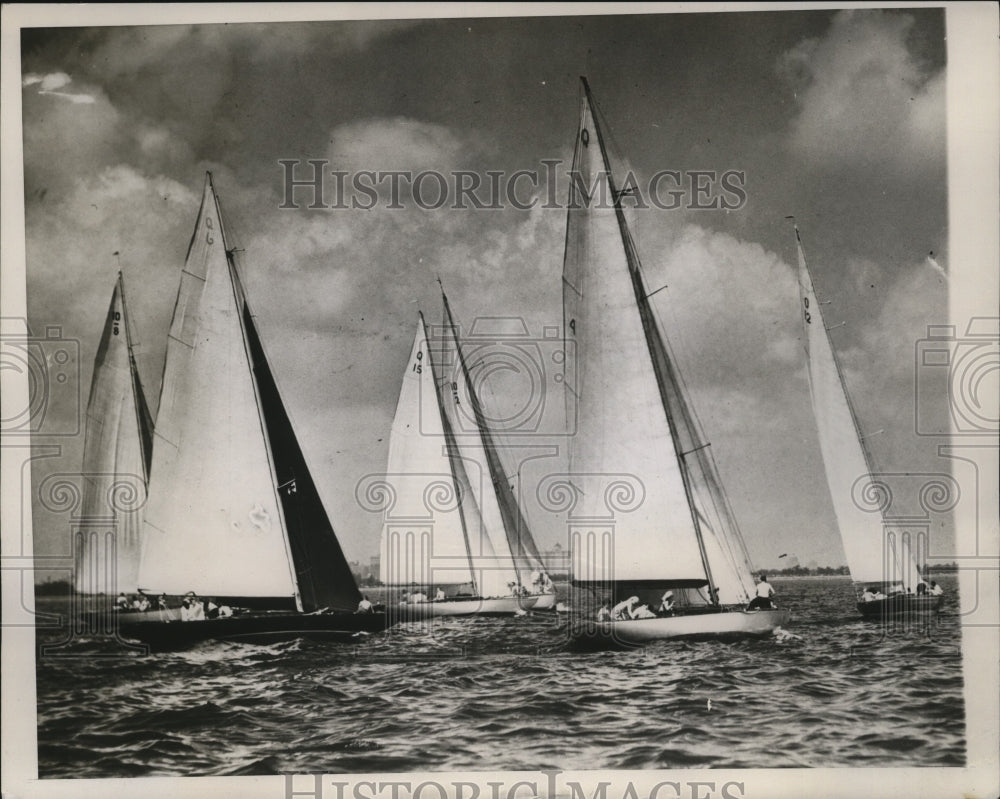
column 880, row 559
column 648, row 517
column 233, row 510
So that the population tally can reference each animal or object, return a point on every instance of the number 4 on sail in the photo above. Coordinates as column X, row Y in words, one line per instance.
column 672, row 556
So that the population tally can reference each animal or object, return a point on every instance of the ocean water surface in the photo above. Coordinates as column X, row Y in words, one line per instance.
column 513, row 694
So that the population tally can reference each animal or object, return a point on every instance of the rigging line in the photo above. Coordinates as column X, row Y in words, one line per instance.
column 717, row 494
column 454, row 460
column 510, row 518
column 139, row 405
column 651, row 334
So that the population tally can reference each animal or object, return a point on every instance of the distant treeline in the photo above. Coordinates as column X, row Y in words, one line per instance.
column 804, row 571
column 54, row 588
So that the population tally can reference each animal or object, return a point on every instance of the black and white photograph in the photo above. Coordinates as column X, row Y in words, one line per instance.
column 501, row 401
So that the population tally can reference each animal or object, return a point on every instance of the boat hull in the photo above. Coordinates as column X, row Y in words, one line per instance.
column 545, row 602
column 636, row 632
column 257, row 628
column 900, row 606
column 472, row 606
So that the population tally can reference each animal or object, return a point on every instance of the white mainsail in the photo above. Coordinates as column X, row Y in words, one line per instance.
column 620, row 394
column 871, row 556
column 423, row 541
column 213, row 522
column 116, row 457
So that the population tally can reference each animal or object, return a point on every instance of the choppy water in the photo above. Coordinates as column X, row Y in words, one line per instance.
column 510, row 694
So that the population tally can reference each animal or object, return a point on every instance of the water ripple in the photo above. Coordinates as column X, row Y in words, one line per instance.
column 457, row 694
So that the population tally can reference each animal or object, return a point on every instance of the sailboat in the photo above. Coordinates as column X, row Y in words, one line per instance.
column 233, row 514
column 454, row 526
column 877, row 558
column 117, row 451
column 637, row 448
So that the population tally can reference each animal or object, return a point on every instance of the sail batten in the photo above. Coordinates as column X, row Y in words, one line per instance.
column 871, row 557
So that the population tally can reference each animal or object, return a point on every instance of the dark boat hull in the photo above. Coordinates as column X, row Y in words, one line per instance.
column 257, row 628
column 900, row 606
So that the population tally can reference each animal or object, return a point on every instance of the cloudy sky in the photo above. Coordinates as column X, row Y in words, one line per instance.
column 837, row 117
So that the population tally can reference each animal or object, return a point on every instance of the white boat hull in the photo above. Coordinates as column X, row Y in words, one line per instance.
column 635, row 632
column 545, row 602
column 476, row 606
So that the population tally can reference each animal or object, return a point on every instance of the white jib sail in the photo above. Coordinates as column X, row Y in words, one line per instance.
column 423, row 536
column 870, row 557
column 213, row 524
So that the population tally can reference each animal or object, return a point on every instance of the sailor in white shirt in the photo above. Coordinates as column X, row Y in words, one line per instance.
column 623, row 610
column 764, row 593
column 936, row 590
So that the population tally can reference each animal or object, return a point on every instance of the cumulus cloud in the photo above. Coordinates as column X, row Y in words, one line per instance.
column 864, row 96
column 48, row 84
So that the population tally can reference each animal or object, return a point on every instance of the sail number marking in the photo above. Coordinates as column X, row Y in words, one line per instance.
column 585, row 137
column 418, row 367
column 454, row 393
column 208, row 233
column 117, row 318
column 808, row 316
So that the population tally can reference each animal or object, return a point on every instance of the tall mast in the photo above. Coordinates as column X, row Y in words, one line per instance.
column 649, row 328
column 452, row 455
column 242, row 306
column 497, row 478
